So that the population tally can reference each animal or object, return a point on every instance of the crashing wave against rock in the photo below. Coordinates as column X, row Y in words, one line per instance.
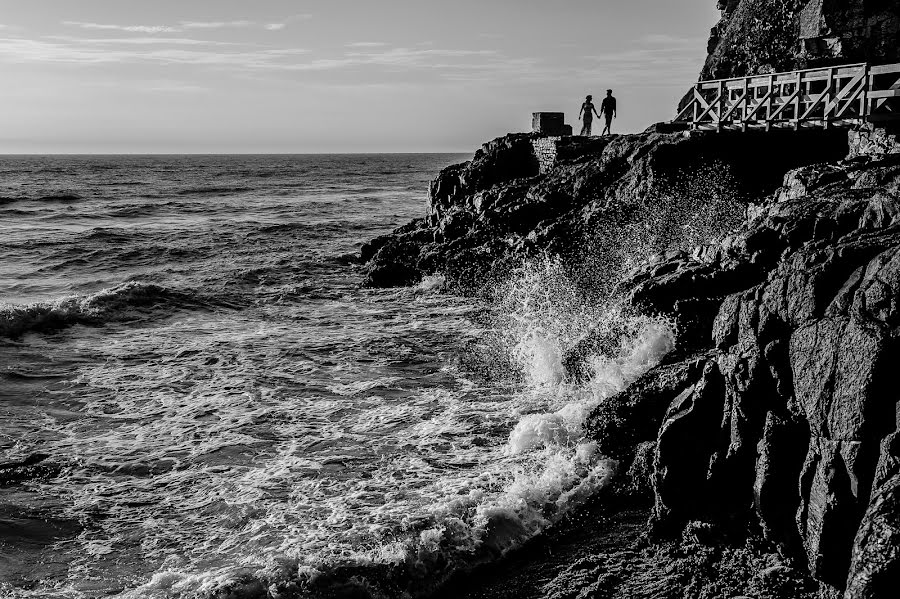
column 773, row 419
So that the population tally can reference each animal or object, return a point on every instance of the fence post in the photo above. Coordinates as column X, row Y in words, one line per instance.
column 829, row 96
column 743, row 111
column 864, row 109
column 695, row 124
column 722, row 90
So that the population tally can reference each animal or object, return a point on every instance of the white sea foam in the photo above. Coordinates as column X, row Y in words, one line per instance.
column 545, row 316
column 266, row 457
column 431, row 283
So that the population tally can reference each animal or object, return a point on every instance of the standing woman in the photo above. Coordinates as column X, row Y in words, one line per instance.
column 588, row 110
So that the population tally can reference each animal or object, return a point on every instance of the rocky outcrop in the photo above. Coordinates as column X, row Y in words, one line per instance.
column 599, row 198
column 784, row 417
column 765, row 36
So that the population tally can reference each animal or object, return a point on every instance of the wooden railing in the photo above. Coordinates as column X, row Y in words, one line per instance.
column 827, row 97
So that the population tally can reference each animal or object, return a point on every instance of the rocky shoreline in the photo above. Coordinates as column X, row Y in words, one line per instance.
column 761, row 458
column 763, row 453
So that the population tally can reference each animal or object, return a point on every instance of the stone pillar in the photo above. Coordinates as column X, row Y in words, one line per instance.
column 549, row 123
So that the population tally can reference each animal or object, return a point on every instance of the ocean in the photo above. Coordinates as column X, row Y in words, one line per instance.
column 186, row 349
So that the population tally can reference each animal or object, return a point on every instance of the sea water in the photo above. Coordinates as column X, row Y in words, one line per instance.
column 187, row 339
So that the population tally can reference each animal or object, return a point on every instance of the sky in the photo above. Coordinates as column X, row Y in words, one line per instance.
column 281, row 76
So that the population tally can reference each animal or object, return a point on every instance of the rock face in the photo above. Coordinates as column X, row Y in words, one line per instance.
column 764, row 36
column 779, row 410
column 523, row 194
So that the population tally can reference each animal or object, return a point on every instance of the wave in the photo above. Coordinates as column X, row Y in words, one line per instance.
column 53, row 197
column 212, row 190
column 122, row 302
column 60, row 197
column 554, row 467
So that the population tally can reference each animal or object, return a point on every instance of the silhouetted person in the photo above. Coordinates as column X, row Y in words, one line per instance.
column 588, row 110
column 608, row 109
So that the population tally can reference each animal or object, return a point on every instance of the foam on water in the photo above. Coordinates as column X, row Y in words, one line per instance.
column 315, row 427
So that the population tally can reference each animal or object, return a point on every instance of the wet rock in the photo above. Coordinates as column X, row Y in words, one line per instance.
column 875, row 568
column 633, row 417
column 793, row 422
column 597, row 200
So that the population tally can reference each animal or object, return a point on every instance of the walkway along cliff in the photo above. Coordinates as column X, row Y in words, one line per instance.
column 775, row 424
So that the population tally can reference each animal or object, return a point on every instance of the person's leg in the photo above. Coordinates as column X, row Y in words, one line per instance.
column 608, row 128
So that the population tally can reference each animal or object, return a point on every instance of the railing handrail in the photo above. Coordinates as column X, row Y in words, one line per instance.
column 837, row 95
column 799, row 71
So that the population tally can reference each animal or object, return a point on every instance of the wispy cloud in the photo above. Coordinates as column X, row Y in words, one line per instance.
column 370, row 59
column 140, row 41
column 185, row 25
column 214, row 24
column 130, row 28
column 143, row 50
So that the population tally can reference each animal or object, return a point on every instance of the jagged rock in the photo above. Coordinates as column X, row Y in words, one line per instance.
column 793, row 421
column 600, row 198
column 614, row 425
column 875, row 569
column 761, row 36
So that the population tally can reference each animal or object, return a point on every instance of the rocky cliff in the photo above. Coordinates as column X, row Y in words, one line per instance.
column 780, row 412
column 775, row 419
column 764, row 452
column 764, row 36
column 594, row 199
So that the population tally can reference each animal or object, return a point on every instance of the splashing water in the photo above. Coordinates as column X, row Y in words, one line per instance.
column 548, row 315
column 282, row 418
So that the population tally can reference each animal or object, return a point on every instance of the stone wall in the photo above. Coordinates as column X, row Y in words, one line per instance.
column 545, row 152
column 869, row 140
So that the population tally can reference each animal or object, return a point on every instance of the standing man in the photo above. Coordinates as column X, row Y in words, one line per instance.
column 589, row 111
column 608, row 109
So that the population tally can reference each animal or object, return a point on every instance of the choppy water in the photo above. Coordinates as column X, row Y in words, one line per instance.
column 187, row 338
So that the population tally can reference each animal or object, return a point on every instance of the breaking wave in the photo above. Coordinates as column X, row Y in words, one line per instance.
column 546, row 468
column 122, row 302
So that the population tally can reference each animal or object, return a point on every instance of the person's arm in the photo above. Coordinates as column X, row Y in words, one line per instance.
column 580, row 111
column 595, row 111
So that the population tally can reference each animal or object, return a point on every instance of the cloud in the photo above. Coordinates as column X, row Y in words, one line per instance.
column 366, row 45
column 144, row 50
column 176, row 41
column 214, row 24
column 130, row 28
column 368, row 62
column 185, row 25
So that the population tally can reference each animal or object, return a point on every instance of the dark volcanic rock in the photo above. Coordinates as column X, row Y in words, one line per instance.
column 763, row 36
column 792, row 424
column 597, row 201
